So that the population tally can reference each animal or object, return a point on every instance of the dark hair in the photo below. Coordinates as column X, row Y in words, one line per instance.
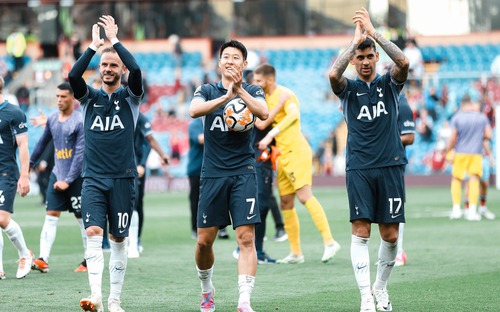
column 234, row 44
column 368, row 43
column 266, row 70
column 108, row 49
column 65, row 86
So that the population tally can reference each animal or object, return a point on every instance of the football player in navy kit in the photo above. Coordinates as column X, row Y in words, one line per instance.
column 375, row 155
column 109, row 168
column 228, row 185
column 13, row 134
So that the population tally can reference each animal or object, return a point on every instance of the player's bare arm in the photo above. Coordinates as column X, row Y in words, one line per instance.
column 200, row 107
column 337, row 80
column 23, row 184
column 263, row 124
column 402, row 64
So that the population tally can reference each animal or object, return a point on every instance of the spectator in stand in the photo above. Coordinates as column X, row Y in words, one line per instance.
column 424, row 125
column 414, row 55
column 16, row 47
column 23, row 96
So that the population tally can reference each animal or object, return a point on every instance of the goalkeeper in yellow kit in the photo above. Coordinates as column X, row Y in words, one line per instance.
column 294, row 168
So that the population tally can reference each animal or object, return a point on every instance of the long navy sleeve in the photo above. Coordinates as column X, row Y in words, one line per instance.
column 135, row 76
column 75, row 75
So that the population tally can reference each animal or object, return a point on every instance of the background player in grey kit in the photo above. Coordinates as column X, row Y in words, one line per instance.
column 375, row 155
column 13, row 134
column 228, row 185
column 109, row 168
column 65, row 128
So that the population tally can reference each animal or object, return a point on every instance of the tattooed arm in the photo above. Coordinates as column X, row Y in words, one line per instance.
column 337, row 80
column 400, row 70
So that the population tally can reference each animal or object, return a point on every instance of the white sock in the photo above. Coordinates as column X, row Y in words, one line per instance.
column 456, row 208
column 360, row 258
column 15, row 235
column 245, row 287
column 133, row 233
column 95, row 263
column 117, row 267
column 205, row 277
column 84, row 233
column 472, row 209
column 400, row 239
column 386, row 256
column 1, row 252
column 48, row 236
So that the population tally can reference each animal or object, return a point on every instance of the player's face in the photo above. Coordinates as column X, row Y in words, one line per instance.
column 111, row 68
column 64, row 100
column 231, row 59
column 365, row 61
column 262, row 81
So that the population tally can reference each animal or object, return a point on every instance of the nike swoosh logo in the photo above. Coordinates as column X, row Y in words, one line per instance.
column 394, row 217
column 250, row 217
column 95, row 105
column 361, row 267
column 360, row 94
column 121, row 231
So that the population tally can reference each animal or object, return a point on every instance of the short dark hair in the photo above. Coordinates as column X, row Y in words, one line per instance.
column 65, row 86
column 368, row 43
column 234, row 44
column 108, row 49
column 266, row 70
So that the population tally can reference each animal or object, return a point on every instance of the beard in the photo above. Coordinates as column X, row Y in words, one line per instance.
column 111, row 82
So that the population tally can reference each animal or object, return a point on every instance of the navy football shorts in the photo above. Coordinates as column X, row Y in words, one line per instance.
column 223, row 199
column 8, row 189
column 377, row 194
column 107, row 199
column 69, row 200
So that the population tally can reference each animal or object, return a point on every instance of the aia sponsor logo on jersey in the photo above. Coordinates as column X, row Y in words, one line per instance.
column 108, row 123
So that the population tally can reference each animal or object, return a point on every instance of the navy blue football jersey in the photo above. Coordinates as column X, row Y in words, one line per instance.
column 371, row 113
column 12, row 123
column 142, row 148
column 109, row 124
column 227, row 152
column 405, row 118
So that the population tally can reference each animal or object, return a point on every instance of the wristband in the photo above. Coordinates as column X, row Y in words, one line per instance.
column 274, row 131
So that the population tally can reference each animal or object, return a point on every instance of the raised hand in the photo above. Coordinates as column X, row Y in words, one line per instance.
column 362, row 18
column 40, row 120
column 96, row 36
column 107, row 22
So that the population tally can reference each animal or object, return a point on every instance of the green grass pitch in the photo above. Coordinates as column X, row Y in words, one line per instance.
column 452, row 265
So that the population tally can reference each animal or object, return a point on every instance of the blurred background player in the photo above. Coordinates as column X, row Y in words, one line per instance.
column 65, row 129
column 375, row 158
column 294, row 167
column 13, row 134
column 407, row 134
column 469, row 130
column 109, row 167
column 144, row 141
column 228, row 184
column 195, row 159
column 264, row 168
